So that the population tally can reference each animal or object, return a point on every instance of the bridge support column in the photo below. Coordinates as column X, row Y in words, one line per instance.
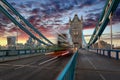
column 117, row 55
column 110, row 17
column 100, row 51
column 97, row 51
column 109, row 54
column 103, row 52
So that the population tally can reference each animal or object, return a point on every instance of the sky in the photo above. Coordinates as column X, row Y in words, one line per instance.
column 51, row 17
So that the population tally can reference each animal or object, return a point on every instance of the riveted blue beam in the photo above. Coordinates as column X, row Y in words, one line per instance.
column 25, row 21
column 112, row 8
column 104, row 24
column 99, row 21
column 100, row 31
column 19, row 25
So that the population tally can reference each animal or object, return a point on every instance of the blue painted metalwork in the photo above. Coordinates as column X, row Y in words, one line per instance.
column 117, row 55
column 6, row 53
column 68, row 72
column 26, row 22
column 99, row 21
column 103, row 25
column 109, row 52
column 20, row 26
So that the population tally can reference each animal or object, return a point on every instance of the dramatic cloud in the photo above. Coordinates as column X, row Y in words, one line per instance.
column 116, row 16
column 91, row 20
column 49, row 15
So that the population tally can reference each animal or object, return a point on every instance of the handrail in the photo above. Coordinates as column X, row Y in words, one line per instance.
column 16, row 52
column 68, row 71
column 109, row 52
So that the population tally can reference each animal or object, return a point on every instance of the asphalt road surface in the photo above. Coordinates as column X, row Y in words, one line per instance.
column 91, row 66
column 43, row 67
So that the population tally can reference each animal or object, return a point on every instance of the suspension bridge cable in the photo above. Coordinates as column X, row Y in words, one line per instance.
column 25, row 21
column 20, row 25
column 110, row 7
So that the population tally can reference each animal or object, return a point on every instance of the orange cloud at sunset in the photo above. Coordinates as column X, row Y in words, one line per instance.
column 3, row 41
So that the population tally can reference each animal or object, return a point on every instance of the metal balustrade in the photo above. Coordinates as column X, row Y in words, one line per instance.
column 109, row 53
column 21, row 52
column 68, row 72
column 6, row 55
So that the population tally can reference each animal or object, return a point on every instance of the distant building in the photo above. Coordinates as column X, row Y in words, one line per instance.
column 29, row 43
column 76, row 31
column 20, row 46
column 102, row 45
column 30, row 40
column 11, row 42
column 62, row 40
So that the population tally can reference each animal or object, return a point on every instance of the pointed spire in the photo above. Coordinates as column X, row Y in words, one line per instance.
column 81, row 18
column 76, row 16
column 69, row 19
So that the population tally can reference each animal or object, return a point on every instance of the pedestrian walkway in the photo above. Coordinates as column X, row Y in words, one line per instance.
column 91, row 66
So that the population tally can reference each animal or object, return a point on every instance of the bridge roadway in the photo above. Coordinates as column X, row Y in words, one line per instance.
column 91, row 66
column 43, row 67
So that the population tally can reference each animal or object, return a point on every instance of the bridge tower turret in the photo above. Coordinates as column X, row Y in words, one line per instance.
column 76, row 31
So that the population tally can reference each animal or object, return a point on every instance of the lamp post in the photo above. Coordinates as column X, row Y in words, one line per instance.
column 110, row 17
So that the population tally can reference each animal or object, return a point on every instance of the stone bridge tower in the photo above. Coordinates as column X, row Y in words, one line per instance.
column 76, row 31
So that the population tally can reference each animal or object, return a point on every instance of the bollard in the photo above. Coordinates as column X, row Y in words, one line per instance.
column 103, row 52
column 117, row 55
column 109, row 54
column 97, row 51
column 100, row 51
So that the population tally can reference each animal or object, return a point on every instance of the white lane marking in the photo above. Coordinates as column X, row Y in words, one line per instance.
column 47, row 61
column 96, row 68
column 49, row 53
column 35, row 61
column 5, row 64
column 102, row 76
column 13, row 65
column 91, row 63
column 21, row 66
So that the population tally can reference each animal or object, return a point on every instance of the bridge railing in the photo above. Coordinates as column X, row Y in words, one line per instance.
column 4, row 53
column 68, row 71
column 109, row 53
column 7, row 55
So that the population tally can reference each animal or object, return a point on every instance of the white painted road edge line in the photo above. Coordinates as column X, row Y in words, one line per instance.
column 21, row 66
column 47, row 60
column 5, row 64
column 96, row 68
column 49, row 53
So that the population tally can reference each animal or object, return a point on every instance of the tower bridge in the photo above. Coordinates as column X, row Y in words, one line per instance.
column 76, row 26
column 55, row 63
